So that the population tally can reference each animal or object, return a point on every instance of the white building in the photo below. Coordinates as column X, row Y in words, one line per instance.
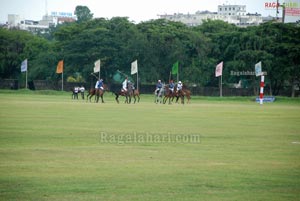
column 233, row 14
column 15, row 21
column 235, row 10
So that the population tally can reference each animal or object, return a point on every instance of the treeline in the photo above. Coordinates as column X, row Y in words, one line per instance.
column 157, row 45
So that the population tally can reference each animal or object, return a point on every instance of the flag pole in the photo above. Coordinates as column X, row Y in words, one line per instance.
column 62, row 81
column 26, row 75
column 137, row 80
column 137, row 77
column 221, row 86
column 99, row 68
column 178, row 73
column 26, row 79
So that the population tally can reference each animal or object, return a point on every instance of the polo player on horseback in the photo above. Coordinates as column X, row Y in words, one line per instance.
column 158, row 87
column 179, row 87
column 171, row 87
column 124, row 85
column 99, row 85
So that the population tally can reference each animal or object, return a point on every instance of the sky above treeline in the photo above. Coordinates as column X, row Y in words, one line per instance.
column 136, row 10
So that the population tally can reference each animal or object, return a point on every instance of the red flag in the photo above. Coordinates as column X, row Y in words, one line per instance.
column 219, row 69
column 60, row 67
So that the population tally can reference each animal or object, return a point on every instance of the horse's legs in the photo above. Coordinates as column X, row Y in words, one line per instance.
column 91, row 97
column 188, row 97
column 170, row 100
column 129, row 98
column 126, row 99
column 117, row 97
column 97, row 97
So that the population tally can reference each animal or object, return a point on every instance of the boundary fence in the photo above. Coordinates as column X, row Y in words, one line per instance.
column 144, row 88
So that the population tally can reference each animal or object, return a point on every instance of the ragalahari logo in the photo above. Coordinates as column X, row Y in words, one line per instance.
column 271, row 5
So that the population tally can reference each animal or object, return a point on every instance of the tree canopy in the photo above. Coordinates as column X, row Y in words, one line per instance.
column 157, row 45
column 83, row 13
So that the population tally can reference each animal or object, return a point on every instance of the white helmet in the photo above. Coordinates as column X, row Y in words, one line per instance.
column 179, row 82
column 159, row 81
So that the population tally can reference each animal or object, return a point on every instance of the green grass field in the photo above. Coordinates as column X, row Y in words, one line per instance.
column 55, row 148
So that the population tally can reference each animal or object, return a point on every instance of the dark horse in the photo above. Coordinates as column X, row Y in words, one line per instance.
column 97, row 94
column 122, row 93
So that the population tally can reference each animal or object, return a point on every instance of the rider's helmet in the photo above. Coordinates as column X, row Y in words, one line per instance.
column 179, row 82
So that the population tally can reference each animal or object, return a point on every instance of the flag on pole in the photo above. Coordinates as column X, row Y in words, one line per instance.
column 134, row 67
column 175, row 68
column 258, row 71
column 60, row 67
column 97, row 66
column 24, row 66
column 219, row 69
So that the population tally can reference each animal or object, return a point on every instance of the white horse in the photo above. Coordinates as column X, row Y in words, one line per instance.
column 158, row 96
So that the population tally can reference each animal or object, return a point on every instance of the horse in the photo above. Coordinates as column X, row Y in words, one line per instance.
column 187, row 94
column 179, row 94
column 97, row 93
column 132, row 92
column 121, row 93
column 136, row 95
column 168, row 95
column 184, row 92
column 158, row 95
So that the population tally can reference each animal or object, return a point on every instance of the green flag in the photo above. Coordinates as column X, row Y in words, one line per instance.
column 175, row 68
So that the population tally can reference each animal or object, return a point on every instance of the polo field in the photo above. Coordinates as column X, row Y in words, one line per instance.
column 53, row 147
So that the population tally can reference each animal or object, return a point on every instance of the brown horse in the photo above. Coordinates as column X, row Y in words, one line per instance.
column 168, row 95
column 132, row 92
column 187, row 94
column 180, row 94
column 136, row 94
column 122, row 93
column 184, row 92
column 97, row 93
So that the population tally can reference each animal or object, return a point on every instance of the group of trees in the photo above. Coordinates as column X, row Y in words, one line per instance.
column 157, row 45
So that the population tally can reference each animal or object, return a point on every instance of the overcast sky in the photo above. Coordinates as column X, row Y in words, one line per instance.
column 136, row 10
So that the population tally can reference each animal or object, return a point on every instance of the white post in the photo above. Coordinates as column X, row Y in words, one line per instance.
column 261, row 94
